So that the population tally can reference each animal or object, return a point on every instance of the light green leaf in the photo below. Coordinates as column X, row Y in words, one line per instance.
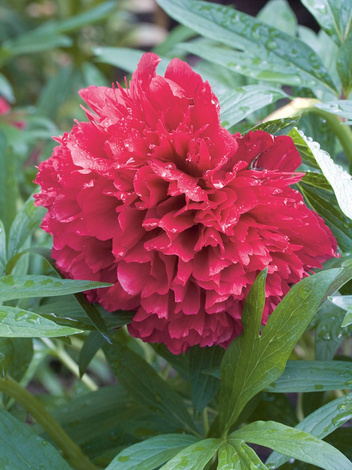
column 21, row 448
column 203, row 386
column 293, row 443
column 277, row 126
column 238, row 456
column 194, row 457
column 266, row 51
column 146, row 386
column 345, row 302
column 152, row 453
column 279, row 14
column 320, row 423
column 238, row 103
column 342, row 108
column 254, row 361
column 344, row 63
column 334, row 16
column 312, row 376
column 339, row 179
column 3, row 254
column 6, row 89
column 124, row 58
column 22, row 287
column 19, row 323
column 27, row 220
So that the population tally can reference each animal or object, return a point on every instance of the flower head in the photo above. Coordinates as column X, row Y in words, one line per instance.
column 154, row 196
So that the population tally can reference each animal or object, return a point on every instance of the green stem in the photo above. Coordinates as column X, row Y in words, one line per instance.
column 70, row 450
column 307, row 105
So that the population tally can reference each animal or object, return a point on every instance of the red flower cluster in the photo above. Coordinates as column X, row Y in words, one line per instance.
column 154, row 196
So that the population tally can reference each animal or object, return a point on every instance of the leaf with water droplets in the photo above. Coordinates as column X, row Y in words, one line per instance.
column 294, row 443
column 21, row 448
column 262, row 50
column 238, row 456
column 341, row 108
column 320, row 423
column 334, row 16
column 344, row 302
column 151, row 453
column 19, row 323
column 344, row 64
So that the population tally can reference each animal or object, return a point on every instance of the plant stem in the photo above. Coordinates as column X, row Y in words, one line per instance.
column 307, row 105
column 70, row 450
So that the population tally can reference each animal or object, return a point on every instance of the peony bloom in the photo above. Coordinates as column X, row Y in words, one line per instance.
column 154, row 196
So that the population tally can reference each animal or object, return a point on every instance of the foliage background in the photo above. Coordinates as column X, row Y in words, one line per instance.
column 106, row 390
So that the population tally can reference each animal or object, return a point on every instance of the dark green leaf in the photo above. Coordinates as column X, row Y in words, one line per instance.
column 194, row 457
column 21, row 448
column 22, row 287
column 146, row 386
column 334, row 16
column 238, row 456
column 238, row 103
column 293, row 443
column 152, row 453
column 266, row 52
column 27, row 220
column 23, row 354
column 6, row 355
column 19, row 323
column 277, row 407
column 321, row 423
column 90, row 347
column 8, row 184
column 203, row 386
column 254, row 361
column 311, row 376
column 341, row 439
column 344, row 63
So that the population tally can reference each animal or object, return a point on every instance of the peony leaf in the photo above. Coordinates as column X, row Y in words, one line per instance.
column 91, row 346
column 194, row 457
column 320, row 423
column 344, row 63
column 146, row 386
column 21, row 448
column 203, row 386
column 254, row 361
column 334, row 16
column 19, row 323
column 279, row 14
column 312, row 376
column 344, row 302
column 266, row 52
column 238, row 456
column 152, row 453
column 278, row 126
column 8, row 185
column 342, row 108
column 3, row 254
column 238, row 103
column 23, row 287
column 339, row 179
column 27, row 220
column 294, row 443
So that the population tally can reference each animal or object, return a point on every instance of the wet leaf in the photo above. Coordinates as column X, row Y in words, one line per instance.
column 238, row 456
column 194, row 457
column 344, row 63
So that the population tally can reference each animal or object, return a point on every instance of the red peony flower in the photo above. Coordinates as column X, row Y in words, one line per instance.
column 154, row 196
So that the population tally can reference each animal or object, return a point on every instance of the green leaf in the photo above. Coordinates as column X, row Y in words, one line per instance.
column 23, row 355
column 90, row 347
column 194, row 457
column 6, row 355
column 277, row 126
column 3, row 254
column 344, row 63
column 238, row 103
column 254, row 361
column 22, row 287
column 238, row 456
column 124, row 58
column 278, row 13
column 342, row 108
column 312, row 376
column 152, row 453
column 21, row 448
column 146, row 386
column 293, row 443
column 334, row 16
column 27, row 220
column 321, row 423
column 339, row 179
column 267, row 53
column 19, row 323
column 8, row 184
column 203, row 386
